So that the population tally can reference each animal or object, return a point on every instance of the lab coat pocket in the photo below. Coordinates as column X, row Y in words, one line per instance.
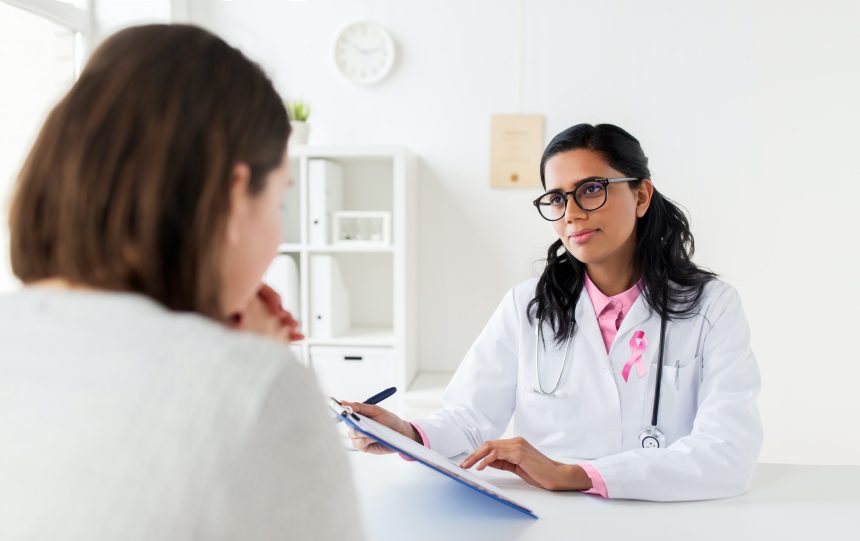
column 682, row 375
column 680, row 394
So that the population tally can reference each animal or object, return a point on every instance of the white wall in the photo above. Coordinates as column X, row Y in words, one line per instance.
column 748, row 112
column 112, row 15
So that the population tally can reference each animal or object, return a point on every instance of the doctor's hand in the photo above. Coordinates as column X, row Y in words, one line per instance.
column 516, row 455
column 264, row 315
column 383, row 417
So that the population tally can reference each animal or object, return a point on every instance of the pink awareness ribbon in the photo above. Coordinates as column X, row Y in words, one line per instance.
column 637, row 345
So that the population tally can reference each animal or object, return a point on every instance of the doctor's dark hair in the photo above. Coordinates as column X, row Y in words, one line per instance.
column 127, row 187
column 672, row 283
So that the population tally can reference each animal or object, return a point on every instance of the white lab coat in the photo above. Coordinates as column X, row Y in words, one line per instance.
column 707, row 406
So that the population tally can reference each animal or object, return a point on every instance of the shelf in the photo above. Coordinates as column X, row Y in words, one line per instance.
column 288, row 248
column 345, row 249
column 353, row 152
column 357, row 336
column 373, row 281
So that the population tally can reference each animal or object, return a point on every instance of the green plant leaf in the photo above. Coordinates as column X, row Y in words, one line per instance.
column 298, row 110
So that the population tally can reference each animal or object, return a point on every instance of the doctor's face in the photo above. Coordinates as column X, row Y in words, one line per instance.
column 602, row 235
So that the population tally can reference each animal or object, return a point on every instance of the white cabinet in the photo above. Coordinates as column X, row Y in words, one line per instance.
column 356, row 286
column 352, row 373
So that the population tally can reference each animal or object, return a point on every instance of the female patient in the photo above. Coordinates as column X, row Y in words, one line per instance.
column 144, row 218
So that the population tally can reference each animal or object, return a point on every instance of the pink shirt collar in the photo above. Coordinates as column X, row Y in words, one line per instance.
column 599, row 300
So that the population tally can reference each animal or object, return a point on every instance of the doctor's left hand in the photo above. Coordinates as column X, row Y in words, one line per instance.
column 516, row 455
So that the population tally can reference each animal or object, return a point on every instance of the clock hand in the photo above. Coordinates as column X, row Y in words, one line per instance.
column 354, row 45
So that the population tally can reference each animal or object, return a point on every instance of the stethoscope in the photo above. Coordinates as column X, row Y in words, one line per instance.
column 651, row 437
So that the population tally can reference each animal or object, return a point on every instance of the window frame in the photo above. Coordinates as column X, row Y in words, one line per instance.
column 78, row 20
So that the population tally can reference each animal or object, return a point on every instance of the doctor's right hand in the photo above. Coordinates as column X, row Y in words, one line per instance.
column 383, row 417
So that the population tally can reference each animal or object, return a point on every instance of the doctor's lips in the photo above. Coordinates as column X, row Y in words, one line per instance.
column 581, row 237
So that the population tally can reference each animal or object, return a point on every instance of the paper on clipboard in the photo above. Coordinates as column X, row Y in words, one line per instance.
column 428, row 457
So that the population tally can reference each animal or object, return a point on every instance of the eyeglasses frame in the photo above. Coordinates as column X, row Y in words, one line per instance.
column 604, row 181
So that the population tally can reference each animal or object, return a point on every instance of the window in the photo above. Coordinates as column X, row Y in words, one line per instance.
column 41, row 51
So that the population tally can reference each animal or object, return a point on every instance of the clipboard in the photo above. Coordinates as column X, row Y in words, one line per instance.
column 419, row 453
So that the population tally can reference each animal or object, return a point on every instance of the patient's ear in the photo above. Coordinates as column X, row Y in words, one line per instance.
column 240, row 200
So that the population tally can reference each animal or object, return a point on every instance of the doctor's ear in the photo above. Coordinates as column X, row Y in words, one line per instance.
column 644, row 193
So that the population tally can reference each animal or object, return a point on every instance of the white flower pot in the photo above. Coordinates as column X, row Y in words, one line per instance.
column 300, row 132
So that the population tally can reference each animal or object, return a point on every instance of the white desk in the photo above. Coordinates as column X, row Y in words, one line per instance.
column 407, row 501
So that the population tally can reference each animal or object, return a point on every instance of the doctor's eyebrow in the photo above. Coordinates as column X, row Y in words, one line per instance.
column 586, row 179
column 575, row 185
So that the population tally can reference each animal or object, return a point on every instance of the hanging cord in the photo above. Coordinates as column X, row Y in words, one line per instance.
column 520, row 54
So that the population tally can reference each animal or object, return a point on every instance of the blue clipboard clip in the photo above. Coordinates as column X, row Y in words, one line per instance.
column 339, row 409
column 341, row 412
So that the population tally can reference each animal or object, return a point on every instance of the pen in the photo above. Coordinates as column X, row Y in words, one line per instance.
column 375, row 399
column 379, row 397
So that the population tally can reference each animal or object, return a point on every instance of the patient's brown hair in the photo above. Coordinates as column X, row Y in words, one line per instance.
column 127, row 186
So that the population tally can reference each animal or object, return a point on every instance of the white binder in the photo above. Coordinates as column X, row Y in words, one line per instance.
column 283, row 276
column 329, row 298
column 325, row 195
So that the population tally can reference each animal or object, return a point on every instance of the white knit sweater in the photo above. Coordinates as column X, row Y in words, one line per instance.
column 122, row 420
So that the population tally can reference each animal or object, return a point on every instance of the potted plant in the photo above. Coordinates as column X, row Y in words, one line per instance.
column 299, row 111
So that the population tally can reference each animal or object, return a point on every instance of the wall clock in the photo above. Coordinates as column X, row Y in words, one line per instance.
column 364, row 52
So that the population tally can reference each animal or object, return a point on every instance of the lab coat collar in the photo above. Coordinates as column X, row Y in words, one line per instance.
column 586, row 320
column 639, row 313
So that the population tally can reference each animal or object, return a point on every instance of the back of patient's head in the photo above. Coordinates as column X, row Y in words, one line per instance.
column 127, row 187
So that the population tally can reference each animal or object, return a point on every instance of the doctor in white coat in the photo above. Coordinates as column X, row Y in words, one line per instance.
column 640, row 382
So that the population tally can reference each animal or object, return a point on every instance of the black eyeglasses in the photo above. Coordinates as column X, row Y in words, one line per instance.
column 589, row 194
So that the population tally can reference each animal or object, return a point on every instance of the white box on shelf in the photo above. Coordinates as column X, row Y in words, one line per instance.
column 283, row 277
column 325, row 195
column 366, row 228
column 352, row 373
column 329, row 298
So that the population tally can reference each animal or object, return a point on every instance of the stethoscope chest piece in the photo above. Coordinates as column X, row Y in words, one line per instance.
column 652, row 438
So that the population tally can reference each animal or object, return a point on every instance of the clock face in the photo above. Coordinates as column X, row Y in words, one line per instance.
column 364, row 52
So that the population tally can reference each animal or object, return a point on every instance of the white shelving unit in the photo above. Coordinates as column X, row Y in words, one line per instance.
column 377, row 349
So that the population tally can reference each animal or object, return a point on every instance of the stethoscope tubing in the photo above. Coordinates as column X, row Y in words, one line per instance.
column 657, row 384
